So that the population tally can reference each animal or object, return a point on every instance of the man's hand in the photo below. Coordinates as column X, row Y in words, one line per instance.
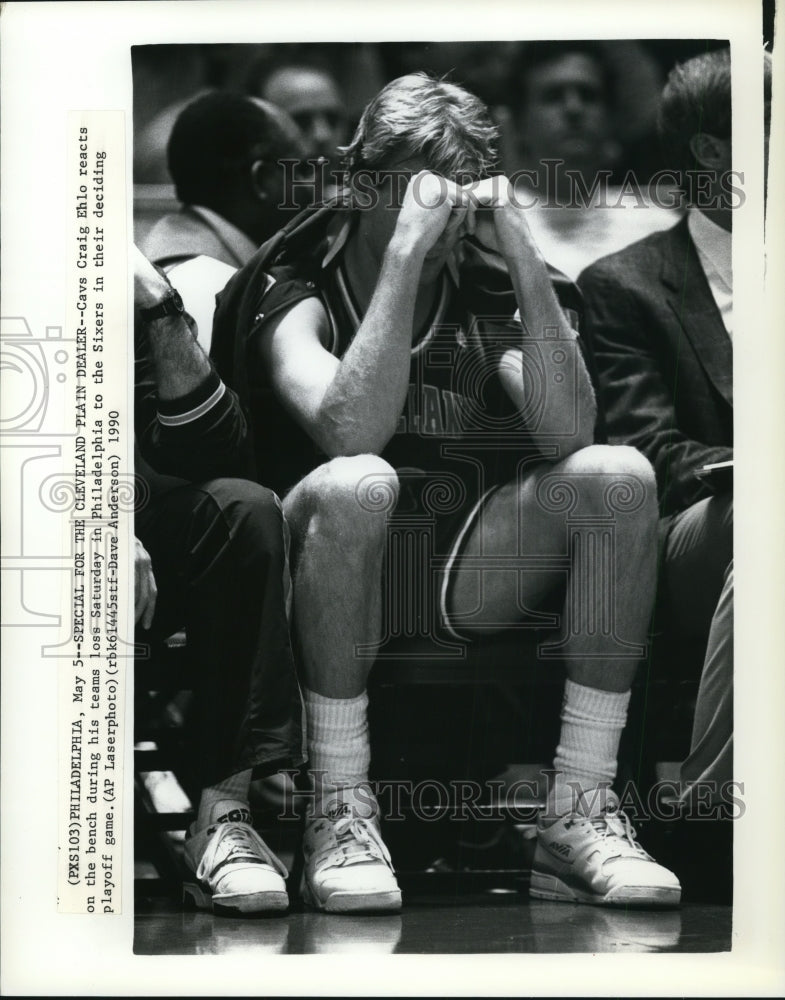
column 150, row 287
column 145, row 589
column 433, row 211
column 179, row 362
column 494, row 216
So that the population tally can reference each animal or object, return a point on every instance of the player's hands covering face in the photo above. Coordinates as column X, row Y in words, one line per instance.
column 432, row 214
column 436, row 213
column 493, row 216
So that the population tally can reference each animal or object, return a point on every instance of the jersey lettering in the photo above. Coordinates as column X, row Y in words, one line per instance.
column 432, row 412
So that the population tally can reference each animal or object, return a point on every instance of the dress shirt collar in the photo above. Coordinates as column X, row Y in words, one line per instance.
column 714, row 247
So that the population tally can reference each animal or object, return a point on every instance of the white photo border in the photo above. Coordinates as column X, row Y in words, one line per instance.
column 62, row 56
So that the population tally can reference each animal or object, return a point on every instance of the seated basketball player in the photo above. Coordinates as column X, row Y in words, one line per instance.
column 402, row 341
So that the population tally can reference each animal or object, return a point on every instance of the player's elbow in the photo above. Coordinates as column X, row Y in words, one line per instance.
column 569, row 429
column 585, row 427
column 347, row 446
column 571, row 443
column 345, row 438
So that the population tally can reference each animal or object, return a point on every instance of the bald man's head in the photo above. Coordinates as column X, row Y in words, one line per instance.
column 312, row 99
column 224, row 153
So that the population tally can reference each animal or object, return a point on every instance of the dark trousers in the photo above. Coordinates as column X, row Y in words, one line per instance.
column 698, row 552
column 698, row 572
column 219, row 556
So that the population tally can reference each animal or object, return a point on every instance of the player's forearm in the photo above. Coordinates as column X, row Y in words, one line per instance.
column 179, row 363
column 198, row 434
column 363, row 404
column 570, row 408
column 188, row 423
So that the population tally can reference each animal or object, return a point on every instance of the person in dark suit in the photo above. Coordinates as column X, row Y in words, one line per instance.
column 659, row 315
column 665, row 360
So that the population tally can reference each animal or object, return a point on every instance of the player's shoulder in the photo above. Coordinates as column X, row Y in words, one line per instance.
column 285, row 288
column 293, row 317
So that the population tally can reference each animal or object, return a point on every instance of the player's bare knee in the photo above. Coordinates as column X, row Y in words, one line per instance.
column 352, row 493
column 629, row 464
column 607, row 459
column 359, row 485
column 616, row 478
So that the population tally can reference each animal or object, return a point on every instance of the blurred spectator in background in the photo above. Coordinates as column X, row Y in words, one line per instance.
column 564, row 98
column 564, row 95
column 223, row 158
column 311, row 97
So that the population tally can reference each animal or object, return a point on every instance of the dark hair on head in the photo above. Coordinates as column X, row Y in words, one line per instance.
column 533, row 55
column 216, row 137
column 696, row 99
column 419, row 116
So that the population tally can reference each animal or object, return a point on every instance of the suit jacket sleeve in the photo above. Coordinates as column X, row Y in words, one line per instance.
column 637, row 391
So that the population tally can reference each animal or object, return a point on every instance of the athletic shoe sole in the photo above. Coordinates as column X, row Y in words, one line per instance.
column 246, row 903
column 352, row 902
column 551, row 887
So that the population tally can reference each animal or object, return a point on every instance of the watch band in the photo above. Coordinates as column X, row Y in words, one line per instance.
column 172, row 305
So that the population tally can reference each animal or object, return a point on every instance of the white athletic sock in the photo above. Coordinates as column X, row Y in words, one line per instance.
column 338, row 742
column 217, row 800
column 591, row 726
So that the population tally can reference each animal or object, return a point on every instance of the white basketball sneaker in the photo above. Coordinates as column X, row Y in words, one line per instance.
column 347, row 865
column 595, row 858
column 235, row 870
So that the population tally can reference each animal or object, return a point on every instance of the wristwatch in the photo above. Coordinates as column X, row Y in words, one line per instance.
column 172, row 305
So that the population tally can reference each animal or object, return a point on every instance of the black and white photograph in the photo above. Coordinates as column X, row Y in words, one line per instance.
column 484, row 359
column 385, row 460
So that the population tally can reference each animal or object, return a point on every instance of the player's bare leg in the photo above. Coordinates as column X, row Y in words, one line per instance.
column 520, row 519
column 337, row 515
column 531, row 518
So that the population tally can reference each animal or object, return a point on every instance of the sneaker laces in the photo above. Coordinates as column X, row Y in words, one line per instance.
column 236, row 842
column 615, row 823
column 358, row 840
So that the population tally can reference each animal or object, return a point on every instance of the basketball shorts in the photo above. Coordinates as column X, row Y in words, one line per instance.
column 427, row 534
